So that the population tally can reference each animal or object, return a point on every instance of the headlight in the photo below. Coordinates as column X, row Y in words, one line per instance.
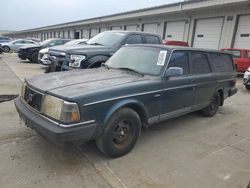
column 45, row 56
column 248, row 69
column 61, row 110
column 75, row 60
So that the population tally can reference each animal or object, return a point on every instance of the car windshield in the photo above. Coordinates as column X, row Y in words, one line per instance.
column 236, row 53
column 106, row 38
column 46, row 42
column 143, row 60
column 73, row 42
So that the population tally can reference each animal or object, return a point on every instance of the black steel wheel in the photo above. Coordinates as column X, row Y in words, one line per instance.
column 213, row 107
column 121, row 133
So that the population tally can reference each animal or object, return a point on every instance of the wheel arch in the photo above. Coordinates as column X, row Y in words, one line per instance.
column 135, row 105
column 221, row 92
column 93, row 61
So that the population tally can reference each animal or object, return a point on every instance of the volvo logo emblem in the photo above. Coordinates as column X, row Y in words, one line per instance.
column 30, row 97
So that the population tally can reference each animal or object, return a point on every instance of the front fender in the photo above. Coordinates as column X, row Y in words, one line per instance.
column 91, row 61
column 134, row 104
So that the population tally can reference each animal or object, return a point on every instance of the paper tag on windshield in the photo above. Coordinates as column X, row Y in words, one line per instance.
column 161, row 58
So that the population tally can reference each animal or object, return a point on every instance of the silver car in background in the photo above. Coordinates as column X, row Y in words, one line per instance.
column 16, row 44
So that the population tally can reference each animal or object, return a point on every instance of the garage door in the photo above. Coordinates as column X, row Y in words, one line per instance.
column 85, row 34
column 131, row 27
column 242, row 38
column 72, row 33
column 208, row 33
column 151, row 28
column 175, row 30
column 116, row 28
column 103, row 29
column 93, row 32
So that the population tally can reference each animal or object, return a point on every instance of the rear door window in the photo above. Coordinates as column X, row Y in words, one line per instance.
column 151, row 39
column 199, row 63
column 133, row 39
column 180, row 59
column 221, row 62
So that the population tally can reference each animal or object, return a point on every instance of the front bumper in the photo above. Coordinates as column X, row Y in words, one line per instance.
column 43, row 59
column 52, row 130
column 22, row 54
column 246, row 79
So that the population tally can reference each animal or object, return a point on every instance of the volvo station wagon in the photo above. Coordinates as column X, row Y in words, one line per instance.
column 140, row 85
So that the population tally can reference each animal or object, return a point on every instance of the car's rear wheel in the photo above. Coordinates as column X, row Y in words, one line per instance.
column 6, row 49
column 120, row 134
column 248, row 87
column 213, row 107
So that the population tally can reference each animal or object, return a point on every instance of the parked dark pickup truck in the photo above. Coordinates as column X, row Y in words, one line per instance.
column 138, row 86
column 31, row 52
column 97, row 50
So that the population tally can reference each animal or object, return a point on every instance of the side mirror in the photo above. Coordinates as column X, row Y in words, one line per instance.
column 174, row 71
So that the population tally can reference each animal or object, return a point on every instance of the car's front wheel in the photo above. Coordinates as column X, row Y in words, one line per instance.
column 213, row 107
column 6, row 49
column 248, row 87
column 120, row 134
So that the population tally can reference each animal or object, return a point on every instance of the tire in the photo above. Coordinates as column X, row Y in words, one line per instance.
column 34, row 57
column 247, row 87
column 213, row 107
column 121, row 133
column 6, row 48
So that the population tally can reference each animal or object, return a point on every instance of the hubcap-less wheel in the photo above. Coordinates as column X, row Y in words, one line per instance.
column 122, row 134
column 213, row 107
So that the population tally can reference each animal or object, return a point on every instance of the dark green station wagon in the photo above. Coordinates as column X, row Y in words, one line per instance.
column 138, row 86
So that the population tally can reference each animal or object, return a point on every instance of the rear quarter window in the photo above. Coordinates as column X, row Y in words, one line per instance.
column 149, row 39
column 199, row 63
column 221, row 62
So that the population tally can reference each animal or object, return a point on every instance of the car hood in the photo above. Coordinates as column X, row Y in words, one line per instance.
column 32, row 46
column 5, row 43
column 80, row 48
column 72, row 83
column 44, row 50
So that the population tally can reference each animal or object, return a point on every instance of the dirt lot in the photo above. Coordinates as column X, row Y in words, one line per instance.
column 186, row 152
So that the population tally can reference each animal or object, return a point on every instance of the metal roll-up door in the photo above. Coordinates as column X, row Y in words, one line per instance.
column 116, row 28
column 151, row 28
column 93, row 32
column 242, row 38
column 208, row 33
column 131, row 27
column 175, row 30
column 85, row 34
column 103, row 29
column 71, row 34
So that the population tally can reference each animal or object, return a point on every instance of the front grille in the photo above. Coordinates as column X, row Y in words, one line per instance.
column 33, row 98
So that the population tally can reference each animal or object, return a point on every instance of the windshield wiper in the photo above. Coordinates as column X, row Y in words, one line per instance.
column 129, row 69
column 95, row 44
